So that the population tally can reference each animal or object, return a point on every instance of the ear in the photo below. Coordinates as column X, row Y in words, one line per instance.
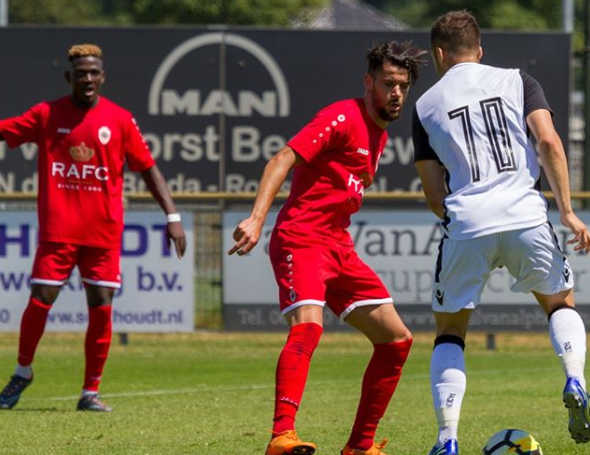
column 368, row 82
column 479, row 53
column 68, row 76
column 439, row 54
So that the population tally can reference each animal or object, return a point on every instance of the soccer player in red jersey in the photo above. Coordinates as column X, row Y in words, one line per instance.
column 334, row 158
column 84, row 142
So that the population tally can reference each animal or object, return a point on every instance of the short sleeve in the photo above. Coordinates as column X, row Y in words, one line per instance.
column 24, row 128
column 534, row 96
column 138, row 155
column 326, row 131
column 422, row 148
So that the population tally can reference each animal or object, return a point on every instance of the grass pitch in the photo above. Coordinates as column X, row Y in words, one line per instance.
column 212, row 394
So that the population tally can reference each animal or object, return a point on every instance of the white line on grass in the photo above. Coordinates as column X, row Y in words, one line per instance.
column 206, row 389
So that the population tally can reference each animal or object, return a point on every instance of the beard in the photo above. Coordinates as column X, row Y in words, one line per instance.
column 382, row 110
column 386, row 115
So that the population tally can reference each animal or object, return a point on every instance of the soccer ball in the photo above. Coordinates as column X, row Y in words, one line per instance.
column 512, row 442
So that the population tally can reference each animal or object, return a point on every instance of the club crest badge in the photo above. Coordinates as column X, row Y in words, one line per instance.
column 81, row 153
column 104, row 135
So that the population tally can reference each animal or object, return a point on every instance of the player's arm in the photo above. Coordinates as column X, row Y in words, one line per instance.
column 429, row 167
column 552, row 154
column 159, row 190
column 275, row 173
column 432, row 175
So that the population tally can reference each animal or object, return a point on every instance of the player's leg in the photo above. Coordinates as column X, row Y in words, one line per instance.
column 359, row 297
column 462, row 269
column 568, row 337
column 391, row 341
column 51, row 268
column 540, row 266
column 100, row 272
column 298, row 268
column 305, row 324
column 448, row 379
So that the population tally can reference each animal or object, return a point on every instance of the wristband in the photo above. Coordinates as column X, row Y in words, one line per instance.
column 173, row 217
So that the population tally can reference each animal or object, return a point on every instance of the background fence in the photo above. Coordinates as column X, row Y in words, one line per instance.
column 207, row 218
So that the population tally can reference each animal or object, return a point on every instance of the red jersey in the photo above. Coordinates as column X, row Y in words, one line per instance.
column 82, row 153
column 341, row 148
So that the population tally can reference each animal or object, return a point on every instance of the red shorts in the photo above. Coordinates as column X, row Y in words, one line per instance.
column 54, row 263
column 315, row 271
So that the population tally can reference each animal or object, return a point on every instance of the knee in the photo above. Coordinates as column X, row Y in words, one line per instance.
column 404, row 335
column 47, row 295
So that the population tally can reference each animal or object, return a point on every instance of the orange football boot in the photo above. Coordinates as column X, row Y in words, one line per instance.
column 288, row 443
column 374, row 450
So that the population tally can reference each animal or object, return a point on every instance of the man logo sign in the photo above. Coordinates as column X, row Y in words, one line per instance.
column 219, row 101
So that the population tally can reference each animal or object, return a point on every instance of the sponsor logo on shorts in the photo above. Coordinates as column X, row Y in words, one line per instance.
column 63, row 131
column 566, row 274
column 363, row 151
column 567, row 346
column 292, row 295
column 439, row 295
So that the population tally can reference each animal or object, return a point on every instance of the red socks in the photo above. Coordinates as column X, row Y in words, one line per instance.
column 98, row 338
column 98, row 341
column 291, row 374
column 381, row 378
column 32, row 326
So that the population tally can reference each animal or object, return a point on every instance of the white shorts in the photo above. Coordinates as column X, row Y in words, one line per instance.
column 531, row 255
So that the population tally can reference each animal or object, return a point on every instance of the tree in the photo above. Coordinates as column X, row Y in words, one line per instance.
column 121, row 12
column 233, row 12
column 493, row 14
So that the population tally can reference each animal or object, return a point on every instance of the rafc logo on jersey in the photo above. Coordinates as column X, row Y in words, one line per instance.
column 169, row 97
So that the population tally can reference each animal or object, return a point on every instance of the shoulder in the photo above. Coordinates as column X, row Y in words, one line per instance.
column 115, row 110
column 337, row 114
column 106, row 103
column 343, row 106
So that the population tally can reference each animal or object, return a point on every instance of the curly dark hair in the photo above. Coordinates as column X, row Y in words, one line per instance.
column 401, row 54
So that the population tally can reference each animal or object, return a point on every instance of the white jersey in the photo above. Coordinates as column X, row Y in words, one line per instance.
column 473, row 121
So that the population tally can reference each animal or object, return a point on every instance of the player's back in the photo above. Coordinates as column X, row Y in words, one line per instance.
column 475, row 121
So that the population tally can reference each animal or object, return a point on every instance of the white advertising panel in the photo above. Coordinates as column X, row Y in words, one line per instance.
column 401, row 246
column 157, row 288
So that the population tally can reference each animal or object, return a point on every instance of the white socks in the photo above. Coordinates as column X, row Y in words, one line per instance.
column 568, row 336
column 448, row 383
column 23, row 372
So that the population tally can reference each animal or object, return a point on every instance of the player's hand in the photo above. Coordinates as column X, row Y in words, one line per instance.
column 246, row 236
column 175, row 234
column 581, row 238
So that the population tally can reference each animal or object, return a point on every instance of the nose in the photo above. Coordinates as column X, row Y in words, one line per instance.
column 396, row 91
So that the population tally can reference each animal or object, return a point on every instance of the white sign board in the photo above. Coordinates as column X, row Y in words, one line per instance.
column 401, row 246
column 157, row 288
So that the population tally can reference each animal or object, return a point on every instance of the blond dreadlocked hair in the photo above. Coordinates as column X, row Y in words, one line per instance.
column 84, row 50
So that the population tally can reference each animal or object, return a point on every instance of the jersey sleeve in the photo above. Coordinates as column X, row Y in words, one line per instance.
column 534, row 96
column 138, row 155
column 23, row 128
column 326, row 131
column 422, row 148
